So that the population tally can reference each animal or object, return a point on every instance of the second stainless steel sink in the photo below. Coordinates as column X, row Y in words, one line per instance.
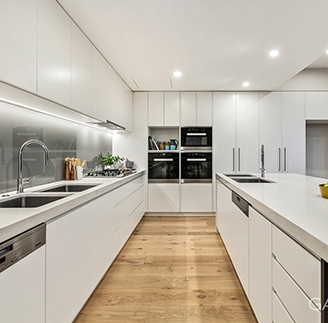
column 70, row 188
column 251, row 180
column 26, row 201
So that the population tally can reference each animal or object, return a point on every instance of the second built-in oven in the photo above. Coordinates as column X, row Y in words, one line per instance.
column 196, row 167
column 163, row 167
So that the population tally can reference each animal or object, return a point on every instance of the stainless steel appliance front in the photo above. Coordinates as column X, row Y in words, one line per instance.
column 163, row 167
column 196, row 167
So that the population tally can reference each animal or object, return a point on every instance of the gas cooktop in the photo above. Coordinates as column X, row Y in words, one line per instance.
column 117, row 172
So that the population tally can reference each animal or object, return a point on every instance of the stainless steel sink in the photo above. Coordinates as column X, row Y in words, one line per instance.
column 251, row 180
column 26, row 201
column 70, row 188
column 239, row 175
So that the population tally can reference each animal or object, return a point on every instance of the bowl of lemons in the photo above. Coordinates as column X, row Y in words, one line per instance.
column 324, row 190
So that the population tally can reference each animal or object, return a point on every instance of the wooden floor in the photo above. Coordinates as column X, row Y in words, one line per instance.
column 172, row 269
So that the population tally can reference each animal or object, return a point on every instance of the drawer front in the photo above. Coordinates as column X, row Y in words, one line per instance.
column 293, row 298
column 298, row 262
column 279, row 313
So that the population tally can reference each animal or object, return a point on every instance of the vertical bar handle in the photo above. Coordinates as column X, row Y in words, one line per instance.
column 233, row 159
column 279, row 159
column 238, row 159
column 285, row 159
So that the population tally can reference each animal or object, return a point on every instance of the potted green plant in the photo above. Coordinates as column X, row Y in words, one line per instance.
column 98, row 161
column 112, row 161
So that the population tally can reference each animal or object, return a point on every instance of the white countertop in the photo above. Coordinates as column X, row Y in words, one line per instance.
column 16, row 220
column 293, row 203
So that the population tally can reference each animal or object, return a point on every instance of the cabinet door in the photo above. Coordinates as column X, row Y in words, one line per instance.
column 68, row 265
column 171, row 109
column 100, row 87
column 247, row 132
column 293, row 132
column 270, row 130
column 232, row 225
column 188, row 109
column 196, row 197
column 81, row 72
column 224, row 132
column 18, row 36
column 316, row 105
column 22, row 293
column 163, row 197
column 54, row 52
column 204, row 109
column 155, row 109
column 260, row 265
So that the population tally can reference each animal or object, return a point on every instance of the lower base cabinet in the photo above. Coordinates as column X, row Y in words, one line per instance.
column 163, row 197
column 22, row 293
column 196, row 197
column 284, row 279
column 82, row 244
column 260, row 265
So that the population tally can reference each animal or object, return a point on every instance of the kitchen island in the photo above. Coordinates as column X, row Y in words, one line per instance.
column 277, row 243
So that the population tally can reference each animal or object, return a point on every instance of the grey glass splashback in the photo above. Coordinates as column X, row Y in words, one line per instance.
column 63, row 138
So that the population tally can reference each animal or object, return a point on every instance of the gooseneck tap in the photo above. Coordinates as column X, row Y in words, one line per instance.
column 262, row 169
column 20, row 180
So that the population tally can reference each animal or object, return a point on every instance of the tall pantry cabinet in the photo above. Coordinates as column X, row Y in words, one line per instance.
column 235, row 132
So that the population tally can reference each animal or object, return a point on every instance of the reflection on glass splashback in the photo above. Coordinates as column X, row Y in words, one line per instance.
column 63, row 139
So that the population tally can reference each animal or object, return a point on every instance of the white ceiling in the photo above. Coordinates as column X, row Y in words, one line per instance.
column 217, row 44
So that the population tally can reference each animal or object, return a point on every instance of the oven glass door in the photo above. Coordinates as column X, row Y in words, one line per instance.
column 163, row 167
column 196, row 167
column 196, row 138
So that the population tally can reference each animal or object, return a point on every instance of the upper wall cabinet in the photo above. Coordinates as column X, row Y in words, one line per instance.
column 196, row 109
column 163, row 109
column 316, row 105
column 81, row 97
column 54, row 52
column 18, row 36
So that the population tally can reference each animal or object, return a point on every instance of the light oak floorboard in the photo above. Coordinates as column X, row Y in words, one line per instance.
column 172, row 270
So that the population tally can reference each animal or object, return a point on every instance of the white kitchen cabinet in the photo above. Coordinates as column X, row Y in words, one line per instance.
column 81, row 97
column 18, row 36
column 279, row 312
column 188, row 109
column 196, row 109
column 22, row 294
column 294, row 287
column 282, row 131
column 260, row 286
column 163, row 197
column 204, row 109
column 82, row 244
column 171, row 109
column 232, row 224
column 68, row 261
column 235, row 132
column 54, row 53
column 163, row 109
column 196, row 197
column 316, row 105
column 155, row 109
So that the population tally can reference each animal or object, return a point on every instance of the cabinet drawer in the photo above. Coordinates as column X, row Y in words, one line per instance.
column 298, row 262
column 293, row 298
column 279, row 313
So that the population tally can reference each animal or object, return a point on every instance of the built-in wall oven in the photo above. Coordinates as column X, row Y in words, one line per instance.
column 196, row 138
column 163, row 167
column 196, row 167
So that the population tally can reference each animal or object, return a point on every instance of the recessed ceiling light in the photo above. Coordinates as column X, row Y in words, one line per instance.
column 274, row 53
column 327, row 51
column 177, row 74
column 245, row 84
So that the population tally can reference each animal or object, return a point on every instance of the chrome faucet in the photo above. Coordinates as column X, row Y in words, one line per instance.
column 20, row 180
column 262, row 169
